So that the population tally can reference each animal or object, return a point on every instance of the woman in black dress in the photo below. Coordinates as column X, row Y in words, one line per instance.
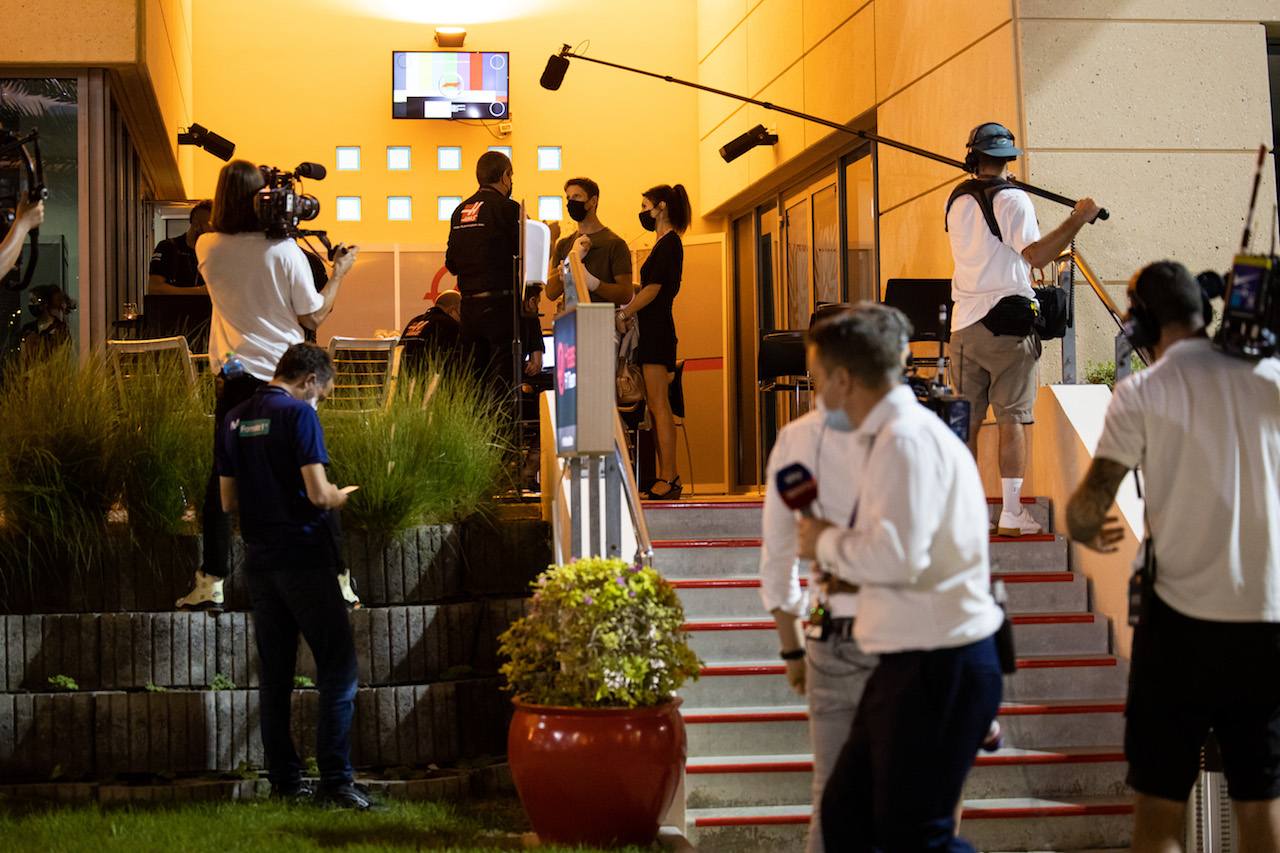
column 664, row 210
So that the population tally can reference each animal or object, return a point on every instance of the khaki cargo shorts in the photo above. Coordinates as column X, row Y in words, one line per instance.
column 996, row 369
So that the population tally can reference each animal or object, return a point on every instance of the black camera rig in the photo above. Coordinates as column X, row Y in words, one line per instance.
column 281, row 207
column 1251, row 308
column 21, row 172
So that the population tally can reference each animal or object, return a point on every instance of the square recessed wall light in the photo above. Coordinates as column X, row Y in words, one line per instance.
column 348, row 158
column 399, row 207
column 449, row 159
column 446, row 205
column 348, row 208
column 398, row 157
column 550, row 207
column 548, row 158
column 502, row 149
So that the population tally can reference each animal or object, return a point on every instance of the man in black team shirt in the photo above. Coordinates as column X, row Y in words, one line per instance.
column 484, row 238
column 173, row 264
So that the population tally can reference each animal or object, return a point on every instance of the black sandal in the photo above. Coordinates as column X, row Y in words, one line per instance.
column 674, row 488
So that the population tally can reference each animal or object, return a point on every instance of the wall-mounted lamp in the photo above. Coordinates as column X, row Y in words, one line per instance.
column 451, row 36
column 209, row 141
column 757, row 135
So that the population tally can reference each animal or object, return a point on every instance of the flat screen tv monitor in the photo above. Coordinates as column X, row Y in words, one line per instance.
column 449, row 84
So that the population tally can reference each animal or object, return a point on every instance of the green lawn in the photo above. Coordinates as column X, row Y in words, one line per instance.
column 262, row 825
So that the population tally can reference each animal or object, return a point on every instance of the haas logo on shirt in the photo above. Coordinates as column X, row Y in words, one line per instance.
column 471, row 212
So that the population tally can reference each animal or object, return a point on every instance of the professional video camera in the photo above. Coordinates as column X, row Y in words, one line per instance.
column 21, row 171
column 280, row 207
column 1251, row 308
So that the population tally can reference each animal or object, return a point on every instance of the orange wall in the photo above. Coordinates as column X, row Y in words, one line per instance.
column 290, row 80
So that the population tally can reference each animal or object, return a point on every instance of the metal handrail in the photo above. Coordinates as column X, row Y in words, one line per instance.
column 1123, row 348
column 631, row 489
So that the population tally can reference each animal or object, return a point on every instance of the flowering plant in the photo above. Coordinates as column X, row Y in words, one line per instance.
column 599, row 633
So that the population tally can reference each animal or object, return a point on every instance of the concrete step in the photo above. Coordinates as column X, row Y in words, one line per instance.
column 120, row 651
column 706, row 519
column 1055, row 677
column 685, row 559
column 735, row 518
column 784, row 729
column 1036, row 633
column 98, row 734
column 1039, row 678
column 778, row 780
column 1029, row 592
column 1065, row 823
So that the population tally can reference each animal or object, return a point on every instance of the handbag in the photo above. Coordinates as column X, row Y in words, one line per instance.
column 629, row 378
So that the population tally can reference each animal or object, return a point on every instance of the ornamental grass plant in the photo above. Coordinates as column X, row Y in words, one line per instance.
column 599, row 633
column 432, row 454
column 167, row 442
column 61, row 465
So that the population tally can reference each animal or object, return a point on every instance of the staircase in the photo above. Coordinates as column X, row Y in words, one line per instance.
column 1058, row 782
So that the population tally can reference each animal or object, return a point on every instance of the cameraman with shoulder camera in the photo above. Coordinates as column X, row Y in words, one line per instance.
column 30, row 214
column 1205, row 428
column 263, row 293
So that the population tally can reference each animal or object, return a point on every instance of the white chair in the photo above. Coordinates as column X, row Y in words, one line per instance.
column 131, row 359
column 365, row 373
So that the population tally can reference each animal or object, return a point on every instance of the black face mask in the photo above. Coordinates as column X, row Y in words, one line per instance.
column 577, row 209
column 647, row 222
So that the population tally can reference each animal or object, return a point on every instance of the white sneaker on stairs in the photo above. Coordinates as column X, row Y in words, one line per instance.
column 348, row 588
column 206, row 594
column 1018, row 523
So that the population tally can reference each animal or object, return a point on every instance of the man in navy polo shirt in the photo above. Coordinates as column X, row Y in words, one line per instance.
column 271, row 468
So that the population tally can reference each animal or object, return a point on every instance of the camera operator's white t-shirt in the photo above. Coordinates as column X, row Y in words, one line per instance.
column 259, row 286
column 986, row 269
column 1205, row 427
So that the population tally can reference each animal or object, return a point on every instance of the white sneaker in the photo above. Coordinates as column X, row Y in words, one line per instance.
column 1018, row 523
column 206, row 594
column 348, row 588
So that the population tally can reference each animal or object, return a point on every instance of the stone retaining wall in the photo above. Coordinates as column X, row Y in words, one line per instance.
column 102, row 734
column 405, row 644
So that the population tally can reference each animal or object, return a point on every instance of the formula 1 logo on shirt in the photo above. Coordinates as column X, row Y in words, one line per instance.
column 252, row 429
column 470, row 212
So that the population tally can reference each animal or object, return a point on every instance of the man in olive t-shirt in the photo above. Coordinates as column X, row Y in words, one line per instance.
column 608, row 258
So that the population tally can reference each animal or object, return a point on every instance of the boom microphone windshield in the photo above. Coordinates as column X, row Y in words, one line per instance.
column 797, row 488
column 553, row 74
column 310, row 170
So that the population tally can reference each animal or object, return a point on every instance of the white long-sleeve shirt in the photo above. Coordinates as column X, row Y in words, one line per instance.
column 835, row 459
column 918, row 547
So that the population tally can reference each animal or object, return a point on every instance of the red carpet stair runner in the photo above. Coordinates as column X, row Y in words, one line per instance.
column 1058, row 782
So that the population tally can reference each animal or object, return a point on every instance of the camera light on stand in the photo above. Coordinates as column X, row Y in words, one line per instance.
column 451, row 36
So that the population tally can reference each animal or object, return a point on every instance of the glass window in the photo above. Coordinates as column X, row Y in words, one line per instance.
column 348, row 208
column 51, row 105
column 449, row 158
column 860, row 229
column 550, row 208
column 548, row 158
column 399, row 207
column 502, row 149
column 398, row 157
column 446, row 205
column 348, row 158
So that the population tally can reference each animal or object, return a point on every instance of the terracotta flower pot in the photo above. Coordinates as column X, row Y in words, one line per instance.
column 596, row 776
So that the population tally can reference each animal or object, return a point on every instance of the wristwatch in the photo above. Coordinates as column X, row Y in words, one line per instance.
column 794, row 654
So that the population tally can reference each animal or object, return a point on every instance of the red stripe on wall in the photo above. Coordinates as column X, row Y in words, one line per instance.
column 716, row 363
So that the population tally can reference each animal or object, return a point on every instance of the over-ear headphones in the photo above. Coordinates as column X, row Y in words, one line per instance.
column 1141, row 326
column 990, row 138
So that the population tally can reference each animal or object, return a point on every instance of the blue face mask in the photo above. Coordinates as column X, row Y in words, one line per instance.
column 836, row 420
